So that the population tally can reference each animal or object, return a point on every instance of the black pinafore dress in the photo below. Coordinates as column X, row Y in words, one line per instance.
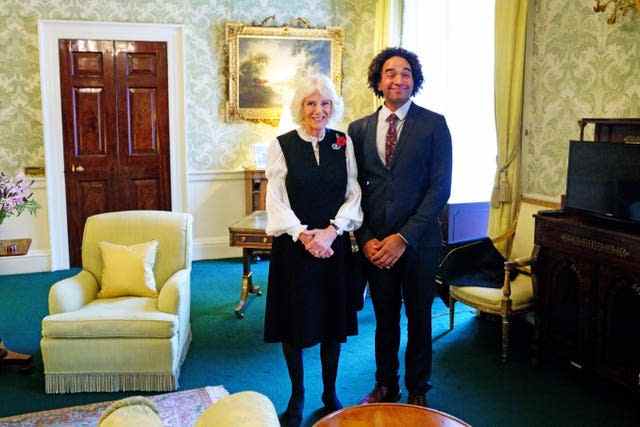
column 308, row 297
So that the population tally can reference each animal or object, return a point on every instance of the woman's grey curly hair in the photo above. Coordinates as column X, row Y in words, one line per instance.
column 324, row 86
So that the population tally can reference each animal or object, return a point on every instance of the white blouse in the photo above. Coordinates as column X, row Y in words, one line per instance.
column 280, row 217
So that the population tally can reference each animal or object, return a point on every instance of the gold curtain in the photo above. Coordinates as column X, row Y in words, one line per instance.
column 388, row 29
column 510, row 34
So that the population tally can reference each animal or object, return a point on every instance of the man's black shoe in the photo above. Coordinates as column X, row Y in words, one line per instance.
column 417, row 399
column 381, row 393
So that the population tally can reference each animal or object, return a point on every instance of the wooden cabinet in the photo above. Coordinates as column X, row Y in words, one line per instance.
column 612, row 130
column 587, row 288
column 618, row 305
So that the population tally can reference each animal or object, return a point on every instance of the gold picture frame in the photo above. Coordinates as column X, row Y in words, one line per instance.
column 264, row 62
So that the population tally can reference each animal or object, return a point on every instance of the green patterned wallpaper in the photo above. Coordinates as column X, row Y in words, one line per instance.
column 212, row 143
column 577, row 66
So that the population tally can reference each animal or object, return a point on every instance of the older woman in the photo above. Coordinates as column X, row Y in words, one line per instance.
column 313, row 201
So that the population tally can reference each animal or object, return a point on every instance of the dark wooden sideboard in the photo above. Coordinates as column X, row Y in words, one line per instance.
column 587, row 287
column 625, row 130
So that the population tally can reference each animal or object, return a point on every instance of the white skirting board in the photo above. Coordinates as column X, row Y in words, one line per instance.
column 214, row 248
column 33, row 262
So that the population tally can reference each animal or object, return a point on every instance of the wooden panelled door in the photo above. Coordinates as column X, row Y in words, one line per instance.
column 116, row 130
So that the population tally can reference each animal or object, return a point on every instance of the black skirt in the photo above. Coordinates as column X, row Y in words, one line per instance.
column 309, row 299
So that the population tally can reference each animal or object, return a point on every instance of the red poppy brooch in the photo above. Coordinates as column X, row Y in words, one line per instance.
column 341, row 142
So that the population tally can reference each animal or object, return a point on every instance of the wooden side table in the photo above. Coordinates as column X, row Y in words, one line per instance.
column 14, row 247
column 249, row 234
column 389, row 415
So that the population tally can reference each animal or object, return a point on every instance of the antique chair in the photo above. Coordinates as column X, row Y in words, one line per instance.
column 122, row 323
column 479, row 276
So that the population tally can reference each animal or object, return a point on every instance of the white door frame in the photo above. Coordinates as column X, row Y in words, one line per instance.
column 50, row 32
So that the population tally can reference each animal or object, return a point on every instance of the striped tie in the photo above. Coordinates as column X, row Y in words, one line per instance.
column 391, row 139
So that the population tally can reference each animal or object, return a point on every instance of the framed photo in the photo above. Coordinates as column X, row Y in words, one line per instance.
column 265, row 62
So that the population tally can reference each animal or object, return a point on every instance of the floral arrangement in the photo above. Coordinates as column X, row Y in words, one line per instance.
column 16, row 196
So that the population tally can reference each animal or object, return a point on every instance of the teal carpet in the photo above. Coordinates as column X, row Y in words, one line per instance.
column 469, row 382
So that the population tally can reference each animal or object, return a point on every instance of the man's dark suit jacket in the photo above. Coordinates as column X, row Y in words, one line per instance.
column 406, row 198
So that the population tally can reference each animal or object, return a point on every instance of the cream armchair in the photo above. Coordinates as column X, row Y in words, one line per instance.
column 125, row 343
column 480, row 277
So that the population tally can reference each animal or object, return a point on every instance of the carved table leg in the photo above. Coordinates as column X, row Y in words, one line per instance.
column 247, row 283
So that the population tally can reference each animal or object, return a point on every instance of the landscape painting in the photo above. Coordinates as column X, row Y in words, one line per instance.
column 266, row 62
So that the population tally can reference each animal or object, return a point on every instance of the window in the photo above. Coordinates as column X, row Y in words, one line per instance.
column 454, row 40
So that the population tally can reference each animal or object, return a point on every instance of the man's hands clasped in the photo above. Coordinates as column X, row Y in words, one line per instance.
column 385, row 253
column 318, row 241
column 381, row 253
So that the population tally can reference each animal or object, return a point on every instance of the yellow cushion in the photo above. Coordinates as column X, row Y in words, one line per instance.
column 244, row 409
column 521, row 294
column 128, row 270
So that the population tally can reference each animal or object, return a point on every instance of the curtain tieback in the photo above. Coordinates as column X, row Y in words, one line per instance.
column 501, row 190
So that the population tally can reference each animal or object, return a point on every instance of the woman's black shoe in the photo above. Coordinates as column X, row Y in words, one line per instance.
column 292, row 417
column 331, row 402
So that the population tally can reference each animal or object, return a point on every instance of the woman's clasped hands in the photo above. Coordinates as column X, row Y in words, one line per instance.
column 318, row 241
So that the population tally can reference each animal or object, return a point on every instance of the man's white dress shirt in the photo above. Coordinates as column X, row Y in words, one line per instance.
column 383, row 126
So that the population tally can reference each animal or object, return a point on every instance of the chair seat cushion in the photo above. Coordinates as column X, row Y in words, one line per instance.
column 124, row 317
column 521, row 294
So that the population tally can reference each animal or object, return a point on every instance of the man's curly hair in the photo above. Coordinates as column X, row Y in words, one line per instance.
column 375, row 68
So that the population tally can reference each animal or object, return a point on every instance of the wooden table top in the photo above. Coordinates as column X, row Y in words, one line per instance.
column 250, row 232
column 256, row 221
column 389, row 415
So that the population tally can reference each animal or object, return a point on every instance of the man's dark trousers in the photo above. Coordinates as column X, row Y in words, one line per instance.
column 410, row 280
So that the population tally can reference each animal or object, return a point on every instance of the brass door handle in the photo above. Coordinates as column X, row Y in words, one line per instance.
column 79, row 169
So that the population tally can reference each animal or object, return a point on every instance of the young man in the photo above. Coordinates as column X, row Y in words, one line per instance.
column 403, row 153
